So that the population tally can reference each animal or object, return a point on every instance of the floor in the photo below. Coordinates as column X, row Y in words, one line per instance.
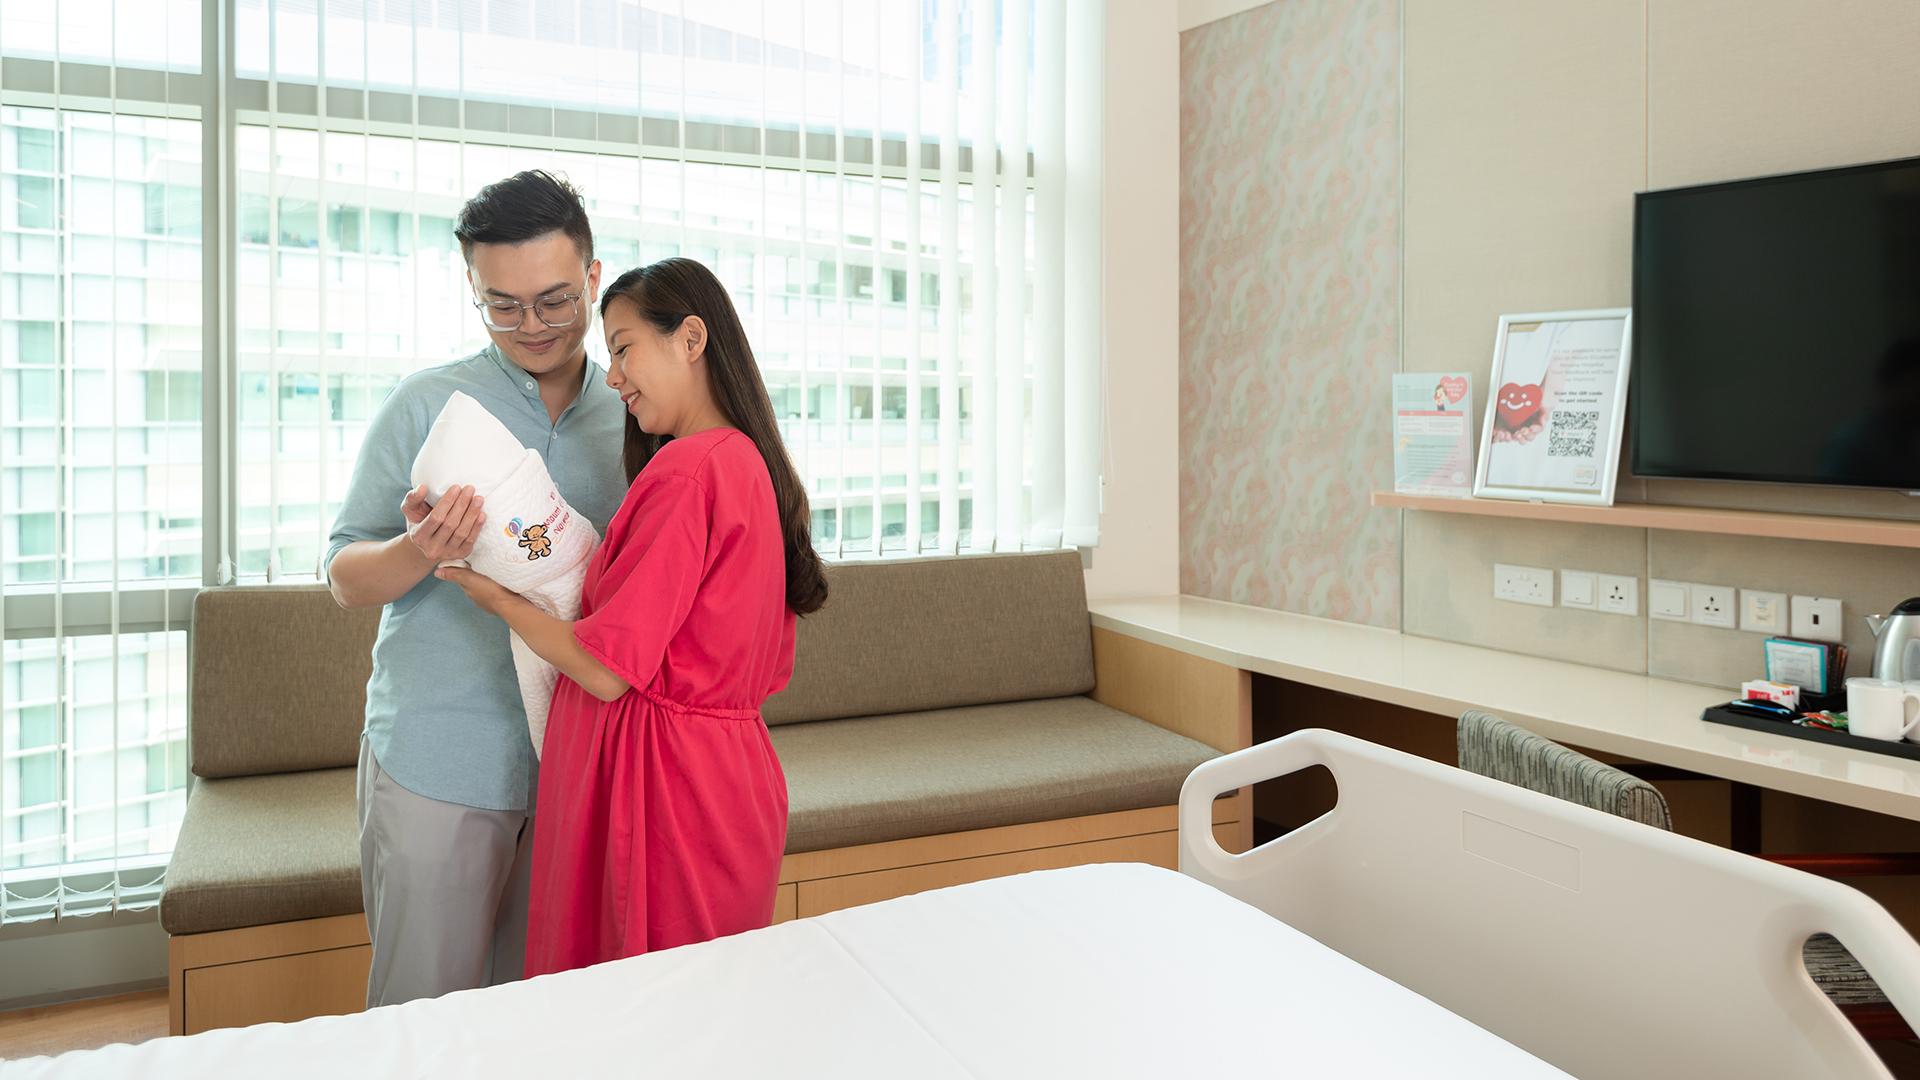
column 83, row 1025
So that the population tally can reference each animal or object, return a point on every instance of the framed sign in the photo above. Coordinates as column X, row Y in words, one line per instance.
column 1433, row 434
column 1556, row 405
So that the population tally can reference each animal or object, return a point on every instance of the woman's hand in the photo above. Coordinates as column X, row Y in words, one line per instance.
column 487, row 594
column 551, row 639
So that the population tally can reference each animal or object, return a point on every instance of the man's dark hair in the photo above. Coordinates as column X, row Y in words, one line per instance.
column 521, row 207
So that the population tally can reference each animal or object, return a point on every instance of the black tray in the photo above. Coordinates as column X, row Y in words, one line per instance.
column 1812, row 702
column 1720, row 714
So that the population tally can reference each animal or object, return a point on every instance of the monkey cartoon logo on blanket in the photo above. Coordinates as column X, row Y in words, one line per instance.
column 534, row 539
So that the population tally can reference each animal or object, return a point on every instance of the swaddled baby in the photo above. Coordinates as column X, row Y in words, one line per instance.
column 533, row 542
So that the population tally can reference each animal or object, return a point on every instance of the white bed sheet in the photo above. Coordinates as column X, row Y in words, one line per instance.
column 1113, row 970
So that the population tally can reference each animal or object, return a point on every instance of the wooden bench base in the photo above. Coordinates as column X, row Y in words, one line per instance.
column 318, row 967
column 816, row 882
column 257, row 974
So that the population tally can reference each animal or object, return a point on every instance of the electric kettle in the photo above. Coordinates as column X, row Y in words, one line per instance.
column 1897, row 652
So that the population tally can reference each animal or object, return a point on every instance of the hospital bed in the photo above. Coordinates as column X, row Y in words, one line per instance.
column 1433, row 923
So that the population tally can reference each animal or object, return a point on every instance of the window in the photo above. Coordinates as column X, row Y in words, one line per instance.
column 888, row 267
column 172, row 210
column 33, row 202
column 109, row 710
column 33, row 148
column 893, row 403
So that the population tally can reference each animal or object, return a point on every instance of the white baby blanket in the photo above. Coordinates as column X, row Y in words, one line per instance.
column 533, row 542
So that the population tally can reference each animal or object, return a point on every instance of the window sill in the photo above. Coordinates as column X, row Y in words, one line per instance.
column 38, row 611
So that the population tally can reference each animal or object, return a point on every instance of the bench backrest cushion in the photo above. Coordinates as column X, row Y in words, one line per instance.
column 912, row 635
column 279, row 680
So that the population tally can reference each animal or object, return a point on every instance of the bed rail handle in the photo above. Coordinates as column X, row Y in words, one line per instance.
column 1230, row 772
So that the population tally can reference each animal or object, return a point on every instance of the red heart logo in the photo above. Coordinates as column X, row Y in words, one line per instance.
column 1518, row 404
column 1455, row 386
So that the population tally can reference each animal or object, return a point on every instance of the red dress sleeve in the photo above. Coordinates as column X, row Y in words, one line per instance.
column 648, row 588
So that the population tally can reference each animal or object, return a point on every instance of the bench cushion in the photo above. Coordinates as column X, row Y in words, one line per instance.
column 279, row 680
column 912, row 635
column 891, row 777
column 267, row 849
column 264, row 849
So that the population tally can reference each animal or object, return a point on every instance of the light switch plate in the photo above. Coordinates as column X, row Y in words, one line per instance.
column 1817, row 618
column 1763, row 612
column 1618, row 594
column 1713, row 605
column 1668, row 600
column 1577, row 589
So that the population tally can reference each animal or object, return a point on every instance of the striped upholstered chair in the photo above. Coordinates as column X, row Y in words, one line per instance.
column 1494, row 748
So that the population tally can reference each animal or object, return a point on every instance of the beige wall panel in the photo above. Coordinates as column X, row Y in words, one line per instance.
column 1450, row 587
column 1867, row 580
column 1743, row 88
column 1525, row 141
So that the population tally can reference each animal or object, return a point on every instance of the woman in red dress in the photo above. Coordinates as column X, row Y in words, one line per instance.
column 662, row 808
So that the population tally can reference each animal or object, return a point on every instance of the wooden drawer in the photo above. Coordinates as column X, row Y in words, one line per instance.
column 283, row 988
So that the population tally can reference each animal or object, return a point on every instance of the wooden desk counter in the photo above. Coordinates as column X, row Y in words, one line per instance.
column 1654, row 720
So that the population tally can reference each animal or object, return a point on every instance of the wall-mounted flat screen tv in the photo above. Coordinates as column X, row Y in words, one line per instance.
column 1776, row 329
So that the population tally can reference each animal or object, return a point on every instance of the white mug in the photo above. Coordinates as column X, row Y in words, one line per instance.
column 1913, row 733
column 1882, row 708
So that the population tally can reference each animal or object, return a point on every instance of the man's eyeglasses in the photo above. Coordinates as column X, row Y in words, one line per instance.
column 558, row 311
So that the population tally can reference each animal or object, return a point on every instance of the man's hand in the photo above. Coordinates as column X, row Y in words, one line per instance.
column 445, row 531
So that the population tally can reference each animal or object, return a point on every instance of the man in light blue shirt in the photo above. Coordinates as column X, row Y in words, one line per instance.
column 447, row 770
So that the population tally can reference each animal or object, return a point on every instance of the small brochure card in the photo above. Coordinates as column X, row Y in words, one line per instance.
column 1432, row 436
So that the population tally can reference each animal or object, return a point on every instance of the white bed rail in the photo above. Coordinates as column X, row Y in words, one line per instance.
column 1607, row 947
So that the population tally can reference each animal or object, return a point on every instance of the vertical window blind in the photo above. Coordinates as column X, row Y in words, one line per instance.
column 859, row 173
column 901, row 195
column 100, row 445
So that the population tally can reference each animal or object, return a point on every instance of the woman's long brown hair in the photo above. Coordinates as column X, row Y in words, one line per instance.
column 667, row 293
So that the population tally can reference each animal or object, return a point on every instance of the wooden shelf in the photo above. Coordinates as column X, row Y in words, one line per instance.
column 1877, row 532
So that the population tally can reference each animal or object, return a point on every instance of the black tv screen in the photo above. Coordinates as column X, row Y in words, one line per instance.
column 1776, row 329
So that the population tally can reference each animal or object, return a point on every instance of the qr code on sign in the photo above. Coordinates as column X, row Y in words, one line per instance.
column 1572, row 434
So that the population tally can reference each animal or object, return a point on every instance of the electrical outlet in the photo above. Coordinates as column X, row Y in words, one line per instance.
column 1577, row 589
column 1713, row 605
column 1618, row 595
column 1668, row 600
column 1816, row 618
column 1763, row 612
column 1523, row 584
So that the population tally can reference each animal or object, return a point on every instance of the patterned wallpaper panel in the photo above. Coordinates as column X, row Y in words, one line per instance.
column 1290, row 307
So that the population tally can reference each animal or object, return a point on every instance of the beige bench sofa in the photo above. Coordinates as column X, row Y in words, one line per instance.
column 949, row 720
